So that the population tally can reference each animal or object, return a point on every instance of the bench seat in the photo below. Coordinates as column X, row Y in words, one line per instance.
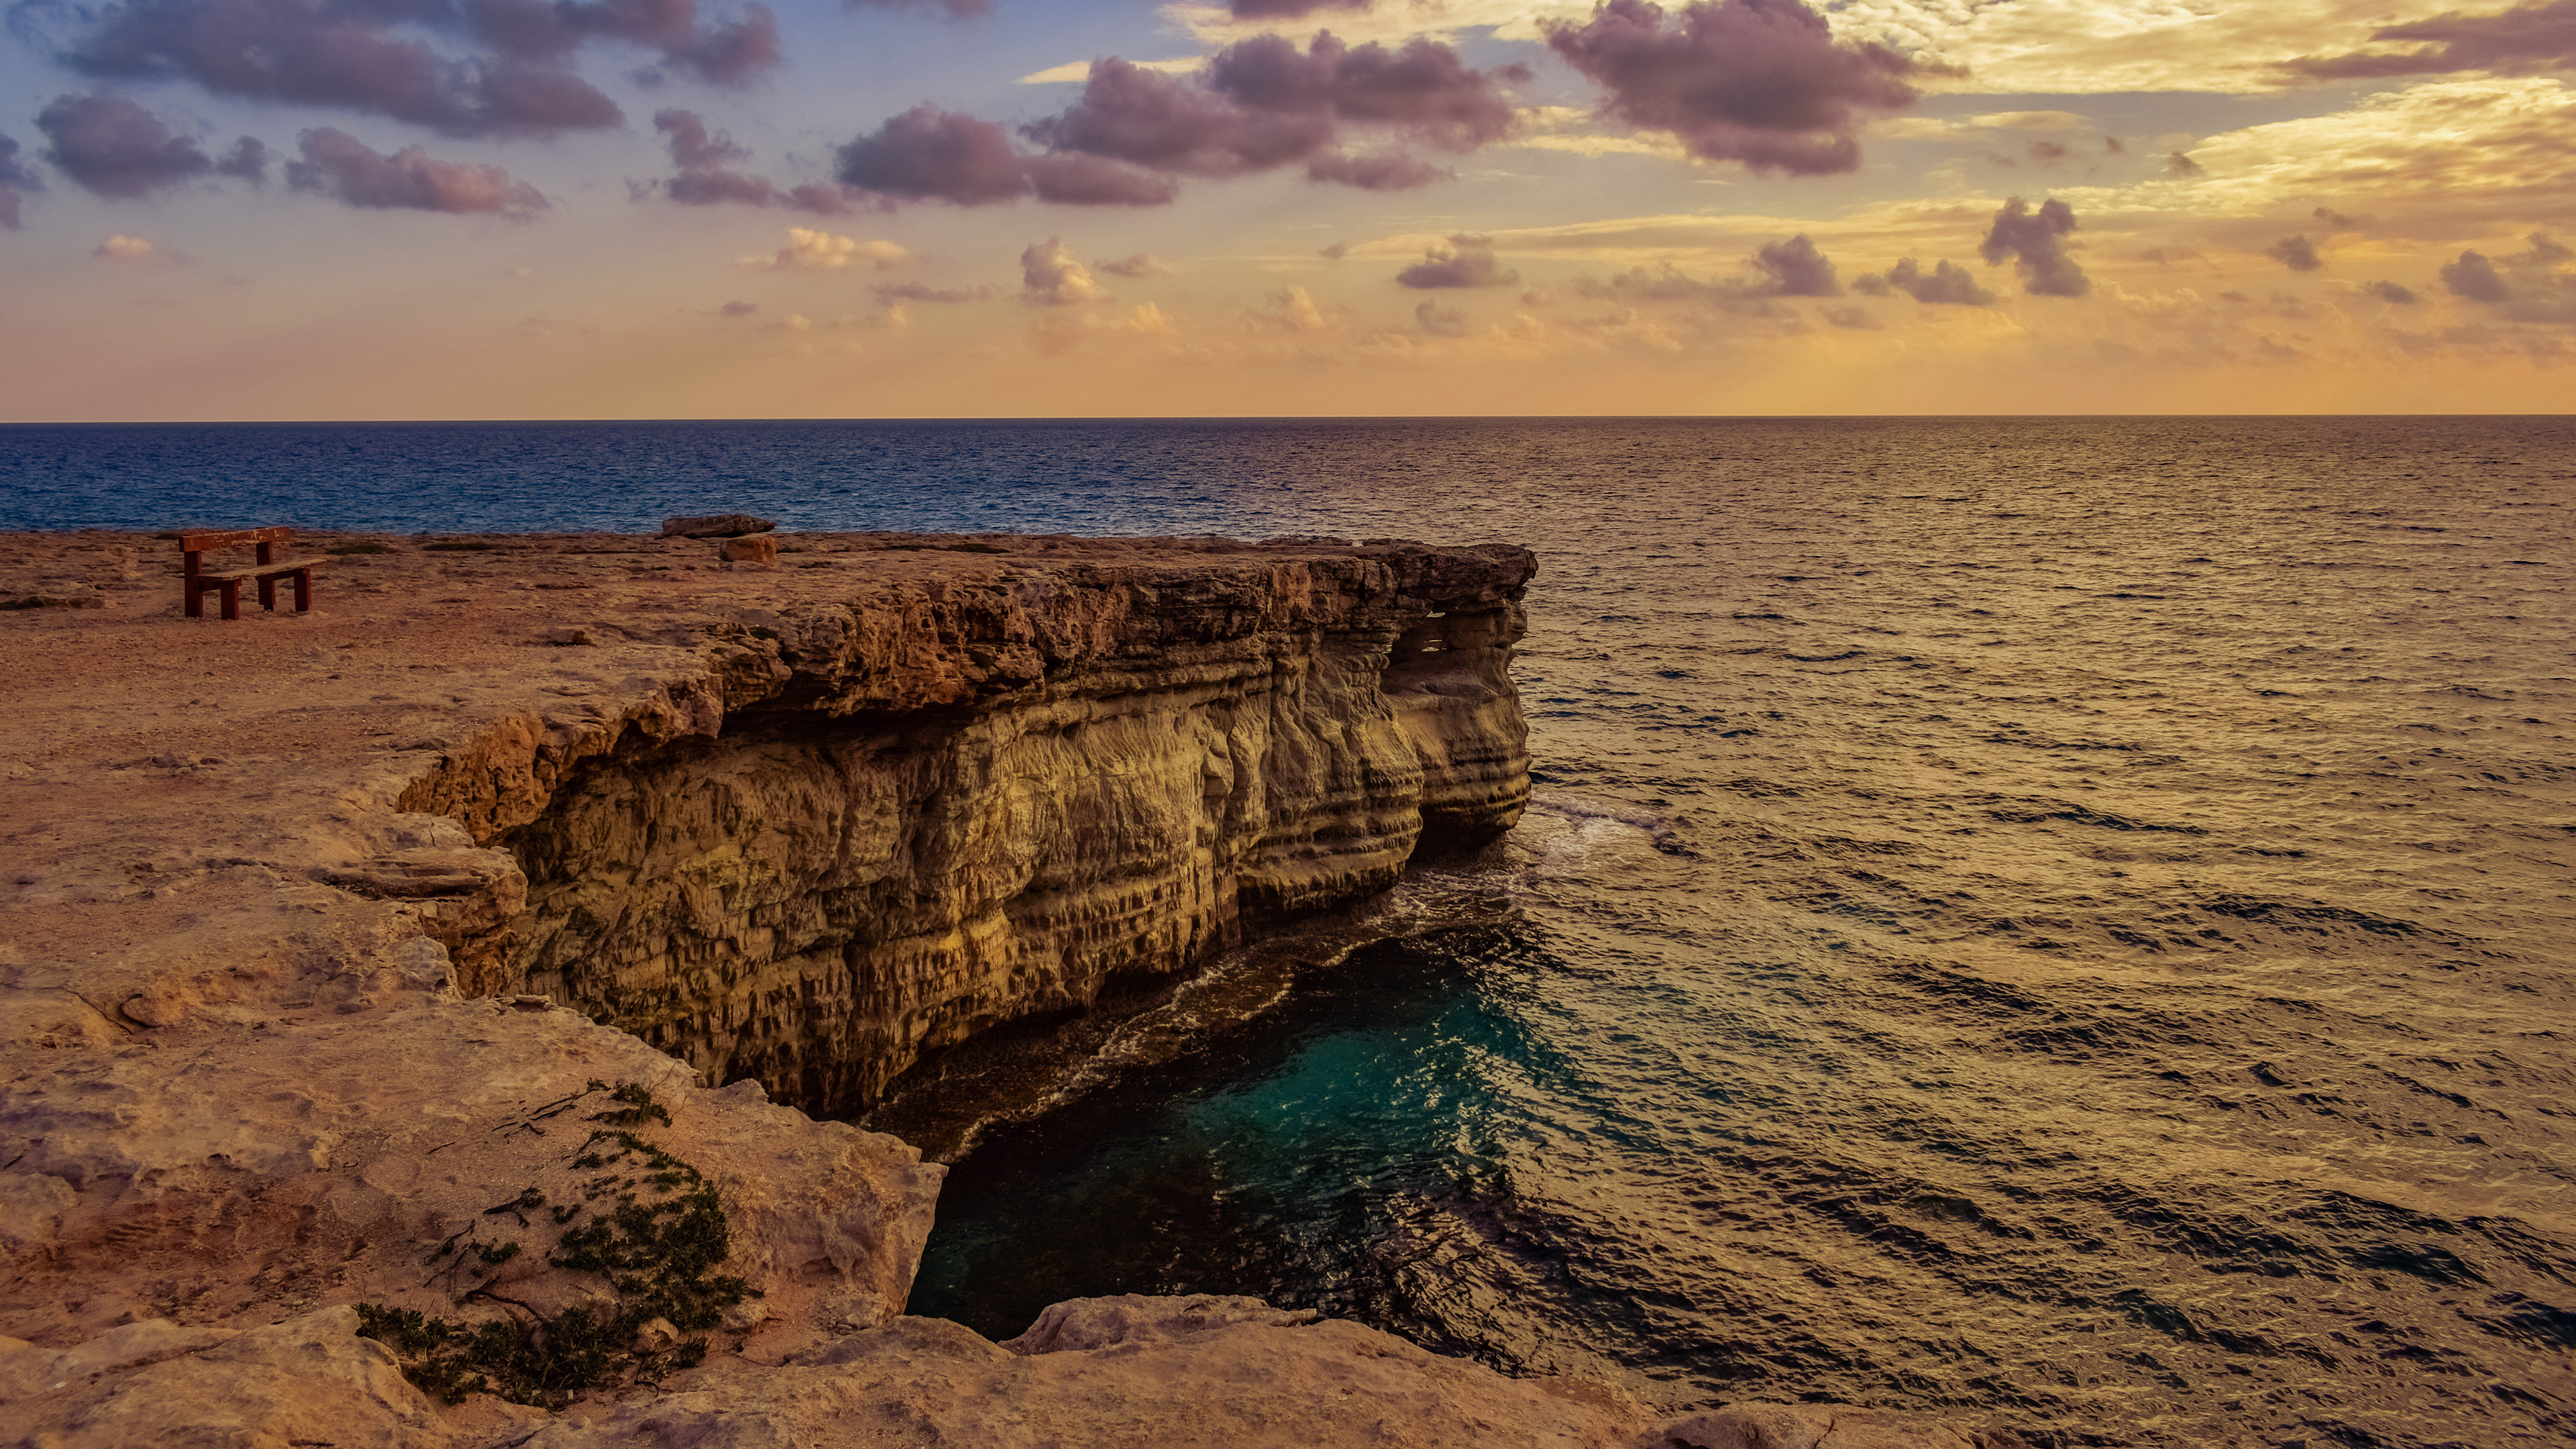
column 261, row 571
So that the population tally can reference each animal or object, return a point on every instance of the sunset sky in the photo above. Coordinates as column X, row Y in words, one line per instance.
column 244, row 209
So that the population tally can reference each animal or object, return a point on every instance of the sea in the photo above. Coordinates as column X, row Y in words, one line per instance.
column 2061, row 923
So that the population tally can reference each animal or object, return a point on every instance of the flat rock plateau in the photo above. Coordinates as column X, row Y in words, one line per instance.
column 352, row 956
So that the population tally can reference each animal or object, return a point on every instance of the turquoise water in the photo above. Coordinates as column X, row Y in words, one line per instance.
column 2058, row 921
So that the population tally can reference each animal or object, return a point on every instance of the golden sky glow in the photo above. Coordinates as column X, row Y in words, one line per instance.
column 2304, row 206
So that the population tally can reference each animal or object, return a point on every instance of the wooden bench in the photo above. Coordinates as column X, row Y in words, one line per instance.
column 267, row 570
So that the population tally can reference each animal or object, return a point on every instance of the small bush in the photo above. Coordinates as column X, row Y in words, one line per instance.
column 661, row 1236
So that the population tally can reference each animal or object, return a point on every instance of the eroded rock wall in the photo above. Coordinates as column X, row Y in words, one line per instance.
column 884, row 823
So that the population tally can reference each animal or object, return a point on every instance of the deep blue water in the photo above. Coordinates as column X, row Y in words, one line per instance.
column 2065, row 921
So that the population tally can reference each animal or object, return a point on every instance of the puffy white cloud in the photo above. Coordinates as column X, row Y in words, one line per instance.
column 123, row 248
column 1050, row 276
column 808, row 250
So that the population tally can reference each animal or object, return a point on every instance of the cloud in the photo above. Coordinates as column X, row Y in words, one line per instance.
column 1334, row 252
column 1761, row 82
column 1143, row 264
column 338, row 165
column 2441, row 160
column 110, row 145
column 1856, row 318
column 1792, row 268
column 1464, row 260
column 2392, row 293
column 2297, row 253
column 890, row 294
column 1050, row 277
column 1796, row 268
column 1947, row 284
column 2337, row 221
column 2524, row 39
column 2036, row 241
column 1259, row 105
column 1439, row 321
column 706, row 177
column 2476, row 278
column 505, row 66
column 123, row 248
column 927, row 154
column 738, row 309
column 809, row 250
column 16, row 180
column 2178, row 164
column 1293, row 310
column 1288, row 9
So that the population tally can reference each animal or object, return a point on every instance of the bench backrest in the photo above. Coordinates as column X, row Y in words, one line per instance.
column 203, row 542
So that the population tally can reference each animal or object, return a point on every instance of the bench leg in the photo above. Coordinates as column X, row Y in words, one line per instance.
column 304, row 591
column 232, row 598
column 268, row 595
column 196, row 599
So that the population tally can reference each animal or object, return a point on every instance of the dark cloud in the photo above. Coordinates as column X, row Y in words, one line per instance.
column 2337, row 221
column 892, row 293
column 706, row 177
column 16, row 180
column 1441, row 321
column 2036, row 241
column 2545, row 252
column 112, row 146
column 738, row 309
column 338, row 165
column 2171, row 256
column 959, row 9
column 927, row 154
column 2476, row 278
column 2297, row 253
column 1947, row 284
column 505, row 65
column 1856, row 318
column 1335, row 252
column 1385, row 171
column 1465, row 260
column 2178, row 164
column 2391, row 292
column 1098, row 181
column 2046, row 151
column 1796, row 269
column 1260, row 105
column 2114, row 146
column 2523, row 39
column 1762, row 82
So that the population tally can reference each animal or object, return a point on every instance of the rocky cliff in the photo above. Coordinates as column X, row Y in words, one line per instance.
column 900, row 813
column 335, row 950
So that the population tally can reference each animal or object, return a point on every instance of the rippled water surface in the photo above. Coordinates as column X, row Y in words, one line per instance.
column 2063, row 921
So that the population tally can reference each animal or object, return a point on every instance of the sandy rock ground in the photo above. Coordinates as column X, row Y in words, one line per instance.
column 240, row 1092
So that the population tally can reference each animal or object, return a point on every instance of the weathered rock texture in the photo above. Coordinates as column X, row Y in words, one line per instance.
column 795, row 825
column 904, row 812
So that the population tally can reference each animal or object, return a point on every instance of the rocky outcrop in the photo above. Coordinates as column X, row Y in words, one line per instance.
column 322, row 931
column 894, row 817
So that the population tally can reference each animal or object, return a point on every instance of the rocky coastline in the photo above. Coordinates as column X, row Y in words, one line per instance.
column 374, row 955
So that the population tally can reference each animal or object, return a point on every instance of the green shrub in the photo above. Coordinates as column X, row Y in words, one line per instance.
column 657, row 1239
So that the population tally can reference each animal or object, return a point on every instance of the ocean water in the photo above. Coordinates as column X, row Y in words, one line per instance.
column 2064, row 922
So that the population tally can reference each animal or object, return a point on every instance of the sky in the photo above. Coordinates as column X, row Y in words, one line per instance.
column 424, row 209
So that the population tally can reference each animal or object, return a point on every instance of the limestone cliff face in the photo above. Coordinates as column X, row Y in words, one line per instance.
column 886, row 821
